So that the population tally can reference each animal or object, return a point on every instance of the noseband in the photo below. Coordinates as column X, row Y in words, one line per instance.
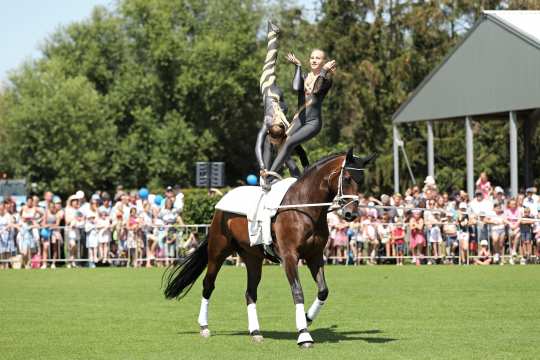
column 342, row 200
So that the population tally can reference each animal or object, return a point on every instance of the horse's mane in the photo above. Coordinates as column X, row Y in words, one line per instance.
column 322, row 161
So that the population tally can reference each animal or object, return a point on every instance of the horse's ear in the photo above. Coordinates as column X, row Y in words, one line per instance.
column 365, row 160
column 350, row 156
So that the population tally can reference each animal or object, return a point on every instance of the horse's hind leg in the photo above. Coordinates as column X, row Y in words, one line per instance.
column 254, row 271
column 316, row 267
column 218, row 250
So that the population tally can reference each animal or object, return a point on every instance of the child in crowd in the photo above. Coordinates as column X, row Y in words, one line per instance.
column 435, row 237
column 513, row 214
column 484, row 256
column 91, row 239
column 526, row 233
column 370, row 235
column 385, row 234
column 74, row 237
column 451, row 235
column 498, row 233
column 104, row 226
column 398, row 239
column 132, row 242
column 418, row 241
column 356, row 241
column 119, row 234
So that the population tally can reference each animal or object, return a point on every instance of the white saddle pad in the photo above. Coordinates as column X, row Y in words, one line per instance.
column 259, row 207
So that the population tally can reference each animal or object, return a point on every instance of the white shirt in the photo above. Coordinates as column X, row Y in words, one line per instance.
column 179, row 202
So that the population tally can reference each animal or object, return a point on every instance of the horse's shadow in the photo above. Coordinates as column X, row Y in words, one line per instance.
column 321, row 335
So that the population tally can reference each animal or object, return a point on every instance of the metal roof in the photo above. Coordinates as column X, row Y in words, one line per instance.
column 495, row 68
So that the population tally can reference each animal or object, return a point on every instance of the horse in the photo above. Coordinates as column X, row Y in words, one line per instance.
column 298, row 233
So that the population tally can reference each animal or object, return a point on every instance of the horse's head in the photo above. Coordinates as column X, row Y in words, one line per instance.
column 351, row 173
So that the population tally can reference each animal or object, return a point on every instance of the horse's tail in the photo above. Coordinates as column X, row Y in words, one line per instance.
column 180, row 277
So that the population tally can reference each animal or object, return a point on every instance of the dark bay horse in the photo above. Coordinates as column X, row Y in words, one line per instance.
column 299, row 233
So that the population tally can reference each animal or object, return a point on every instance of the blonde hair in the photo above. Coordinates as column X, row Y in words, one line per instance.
column 321, row 50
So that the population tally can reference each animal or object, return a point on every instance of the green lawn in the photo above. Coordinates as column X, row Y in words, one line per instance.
column 372, row 312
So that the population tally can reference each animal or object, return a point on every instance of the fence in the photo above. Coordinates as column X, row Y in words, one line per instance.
column 161, row 245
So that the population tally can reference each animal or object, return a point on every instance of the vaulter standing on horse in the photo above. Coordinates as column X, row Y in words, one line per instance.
column 306, row 123
column 275, row 128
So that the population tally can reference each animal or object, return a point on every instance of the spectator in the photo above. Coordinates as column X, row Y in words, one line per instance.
column 106, row 204
column 370, row 235
column 7, row 244
column 356, row 241
column 179, row 199
column 339, row 238
column 385, row 234
column 498, row 233
column 483, row 185
column 119, row 234
column 484, row 256
column 531, row 201
column 435, row 237
column 75, row 229
column 49, row 224
column 499, row 196
column 119, row 193
column 450, row 230
column 132, row 241
column 480, row 204
column 513, row 214
column 192, row 242
column 418, row 240
column 398, row 239
column 104, row 226
column 526, row 231
column 91, row 238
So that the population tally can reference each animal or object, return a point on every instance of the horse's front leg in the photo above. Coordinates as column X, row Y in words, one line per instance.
column 291, row 269
column 317, row 271
column 254, row 270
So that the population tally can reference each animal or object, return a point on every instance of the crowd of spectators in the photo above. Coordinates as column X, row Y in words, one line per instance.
column 422, row 226
column 128, row 229
column 428, row 227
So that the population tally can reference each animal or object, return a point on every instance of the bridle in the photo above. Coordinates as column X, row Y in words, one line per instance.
column 341, row 200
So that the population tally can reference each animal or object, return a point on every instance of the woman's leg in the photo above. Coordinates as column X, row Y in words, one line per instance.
column 304, row 133
column 44, row 253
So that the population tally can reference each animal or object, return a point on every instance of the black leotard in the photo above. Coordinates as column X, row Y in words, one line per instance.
column 309, row 122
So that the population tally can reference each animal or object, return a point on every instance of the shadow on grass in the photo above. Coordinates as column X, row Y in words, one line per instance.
column 321, row 335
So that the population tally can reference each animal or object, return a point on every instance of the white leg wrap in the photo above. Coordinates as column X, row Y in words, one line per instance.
column 253, row 321
column 304, row 337
column 314, row 309
column 203, row 313
column 301, row 322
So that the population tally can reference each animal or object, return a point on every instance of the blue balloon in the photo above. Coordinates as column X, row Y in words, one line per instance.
column 143, row 193
column 251, row 179
column 158, row 199
column 45, row 233
column 350, row 232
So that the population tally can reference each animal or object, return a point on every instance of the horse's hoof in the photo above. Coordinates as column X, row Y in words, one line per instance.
column 205, row 332
column 305, row 340
column 256, row 336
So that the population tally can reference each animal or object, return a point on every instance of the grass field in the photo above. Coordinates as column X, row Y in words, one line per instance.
column 372, row 312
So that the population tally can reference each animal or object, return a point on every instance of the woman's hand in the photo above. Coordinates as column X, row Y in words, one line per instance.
column 263, row 173
column 330, row 66
column 292, row 59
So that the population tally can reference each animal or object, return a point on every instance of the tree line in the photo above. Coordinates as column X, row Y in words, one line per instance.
column 137, row 93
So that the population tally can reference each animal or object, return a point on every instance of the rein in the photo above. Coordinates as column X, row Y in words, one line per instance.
column 336, row 204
